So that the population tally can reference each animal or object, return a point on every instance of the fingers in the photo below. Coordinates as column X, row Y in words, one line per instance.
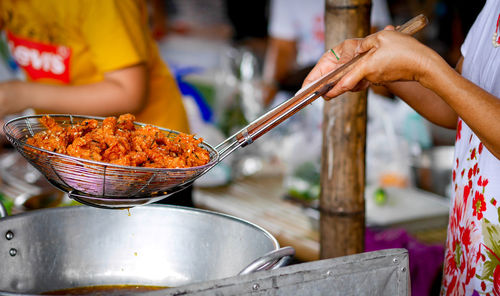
column 332, row 59
column 333, row 52
column 362, row 85
column 354, row 80
column 388, row 56
column 368, row 43
column 326, row 63
column 350, row 82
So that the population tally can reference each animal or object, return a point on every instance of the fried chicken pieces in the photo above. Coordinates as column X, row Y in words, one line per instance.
column 118, row 141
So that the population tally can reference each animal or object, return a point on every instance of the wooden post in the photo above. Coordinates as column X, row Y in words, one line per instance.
column 342, row 222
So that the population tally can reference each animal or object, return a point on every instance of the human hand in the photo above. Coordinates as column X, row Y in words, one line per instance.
column 10, row 102
column 389, row 56
column 332, row 60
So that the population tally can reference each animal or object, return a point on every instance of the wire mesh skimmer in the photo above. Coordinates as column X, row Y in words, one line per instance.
column 107, row 185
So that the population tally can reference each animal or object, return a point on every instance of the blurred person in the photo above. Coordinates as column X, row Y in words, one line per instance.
column 250, row 20
column 465, row 98
column 88, row 57
column 94, row 57
column 296, row 41
column 195, row 18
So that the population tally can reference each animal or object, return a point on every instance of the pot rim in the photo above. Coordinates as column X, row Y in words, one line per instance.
column 142, row 208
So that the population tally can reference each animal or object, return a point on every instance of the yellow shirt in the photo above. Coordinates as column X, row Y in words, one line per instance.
column 73, row 42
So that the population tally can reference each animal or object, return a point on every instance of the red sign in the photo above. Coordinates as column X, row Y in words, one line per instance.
column 40, row 60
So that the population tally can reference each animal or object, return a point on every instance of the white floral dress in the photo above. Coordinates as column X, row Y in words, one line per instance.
column 472, row 258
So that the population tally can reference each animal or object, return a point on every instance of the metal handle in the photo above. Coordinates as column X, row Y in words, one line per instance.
column 3, row 211
column 307, row 95
column 271, row 260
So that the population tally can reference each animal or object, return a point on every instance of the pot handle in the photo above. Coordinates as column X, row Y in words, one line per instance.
column 3, row 211
column 269, row 261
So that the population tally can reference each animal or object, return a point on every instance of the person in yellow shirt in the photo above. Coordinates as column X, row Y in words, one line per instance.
column 93, row 57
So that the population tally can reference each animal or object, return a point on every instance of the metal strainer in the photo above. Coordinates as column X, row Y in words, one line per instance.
column 99, row 183
column 106, row 185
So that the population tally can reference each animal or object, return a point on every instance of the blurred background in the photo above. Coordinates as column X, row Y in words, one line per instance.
column 221, row 53
column 218, row 51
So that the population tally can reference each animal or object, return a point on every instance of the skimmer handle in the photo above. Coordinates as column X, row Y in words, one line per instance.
column 310, row 93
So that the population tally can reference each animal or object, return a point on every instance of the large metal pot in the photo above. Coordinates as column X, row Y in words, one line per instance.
column 61, row 248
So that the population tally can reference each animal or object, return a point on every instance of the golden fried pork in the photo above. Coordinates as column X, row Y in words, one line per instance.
column 118, row 141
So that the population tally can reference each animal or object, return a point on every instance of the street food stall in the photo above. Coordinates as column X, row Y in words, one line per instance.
column 234, row 243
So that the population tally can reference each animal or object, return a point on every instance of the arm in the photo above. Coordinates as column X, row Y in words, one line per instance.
column 422, row 78
column 121, row 91
column 477, row 107
column 426, row 102
column 279, row 61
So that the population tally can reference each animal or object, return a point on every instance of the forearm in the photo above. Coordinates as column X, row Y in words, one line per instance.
column 478, row 108
column 102, row 98
column 426, row 102
column 442, row 95
column 121, row 91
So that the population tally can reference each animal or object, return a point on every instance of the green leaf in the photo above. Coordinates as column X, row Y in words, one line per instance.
column 488, row 269
column 491, row 235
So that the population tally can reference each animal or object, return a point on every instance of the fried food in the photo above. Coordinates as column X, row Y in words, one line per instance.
column 119, row 141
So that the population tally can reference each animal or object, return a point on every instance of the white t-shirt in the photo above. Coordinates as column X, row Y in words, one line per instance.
column 303, row 21
column 472, row 258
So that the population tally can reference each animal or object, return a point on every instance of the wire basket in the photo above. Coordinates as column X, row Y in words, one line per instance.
column 99, row 183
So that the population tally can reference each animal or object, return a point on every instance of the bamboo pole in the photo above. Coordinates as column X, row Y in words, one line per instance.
column 342, row 222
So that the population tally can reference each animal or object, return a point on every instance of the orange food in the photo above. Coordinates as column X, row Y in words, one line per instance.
column 118, row 141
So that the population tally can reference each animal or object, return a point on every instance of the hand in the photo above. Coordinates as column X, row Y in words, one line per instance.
column 333, row 59
column 390, row 56
column 10, row 102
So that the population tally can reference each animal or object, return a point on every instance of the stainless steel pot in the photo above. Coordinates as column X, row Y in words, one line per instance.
column 61, row 248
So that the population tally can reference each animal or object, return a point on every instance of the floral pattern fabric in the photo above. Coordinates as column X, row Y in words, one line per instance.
column 472, row 256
